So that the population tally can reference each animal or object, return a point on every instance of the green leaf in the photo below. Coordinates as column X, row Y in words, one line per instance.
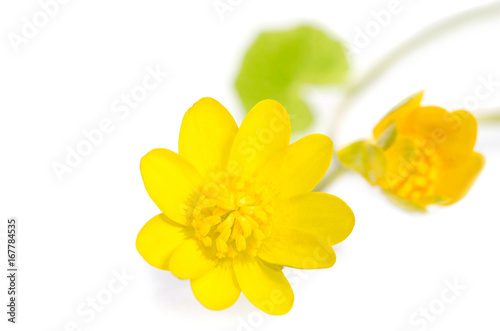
column 365, row 158
column 280, row 63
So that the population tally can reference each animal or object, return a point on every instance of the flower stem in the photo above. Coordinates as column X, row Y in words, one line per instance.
column 330, row 178
column 488, row 119
column 434, row 31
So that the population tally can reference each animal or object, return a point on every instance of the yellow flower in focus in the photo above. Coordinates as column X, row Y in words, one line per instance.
column 237, row 206
column 420, row 155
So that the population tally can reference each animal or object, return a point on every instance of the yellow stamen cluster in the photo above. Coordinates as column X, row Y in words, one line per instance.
column 419, row 183
column 232, row 216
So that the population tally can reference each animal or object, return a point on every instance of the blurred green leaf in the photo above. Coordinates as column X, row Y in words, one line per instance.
column 364, row 158
column 279, row 63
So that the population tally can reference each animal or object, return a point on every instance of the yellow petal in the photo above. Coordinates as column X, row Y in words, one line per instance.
column 264, row 132
column 321, row 214
column 191, row 260
column 452, row 135
column 399, row 114
column 263, row 284
column 299, row 167
column 297, row 249
column 207, row 134
column 217, row 289
column 171, row 183
column 159, row 238
column 454, row 182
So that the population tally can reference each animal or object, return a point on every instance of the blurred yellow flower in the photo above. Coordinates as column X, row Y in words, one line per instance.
column 237, row 206
column 419, row 155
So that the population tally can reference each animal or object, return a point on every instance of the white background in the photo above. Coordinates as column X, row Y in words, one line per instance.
column 74, row 233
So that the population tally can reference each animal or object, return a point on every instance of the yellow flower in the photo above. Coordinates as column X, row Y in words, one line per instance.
column 237, row 206
column 420, row 155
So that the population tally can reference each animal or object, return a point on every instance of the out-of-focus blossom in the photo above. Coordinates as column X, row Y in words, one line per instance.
column 419, row 155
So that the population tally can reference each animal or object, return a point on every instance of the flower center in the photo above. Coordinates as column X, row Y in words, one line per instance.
column 233, row 215
column 419, row 183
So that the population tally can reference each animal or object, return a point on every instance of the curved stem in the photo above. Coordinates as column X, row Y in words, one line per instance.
column 434, row 31
column 488, row 119
column 330, row 178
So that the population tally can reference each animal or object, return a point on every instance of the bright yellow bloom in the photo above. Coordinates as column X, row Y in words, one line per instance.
column 237, row 206
column 420, row 155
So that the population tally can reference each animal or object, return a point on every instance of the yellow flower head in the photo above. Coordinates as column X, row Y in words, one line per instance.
column 420, row 155
column 237, row 206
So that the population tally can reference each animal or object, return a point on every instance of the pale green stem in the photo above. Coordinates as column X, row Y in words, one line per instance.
column 434, row 31
column 330, row 178
column 488, row 119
